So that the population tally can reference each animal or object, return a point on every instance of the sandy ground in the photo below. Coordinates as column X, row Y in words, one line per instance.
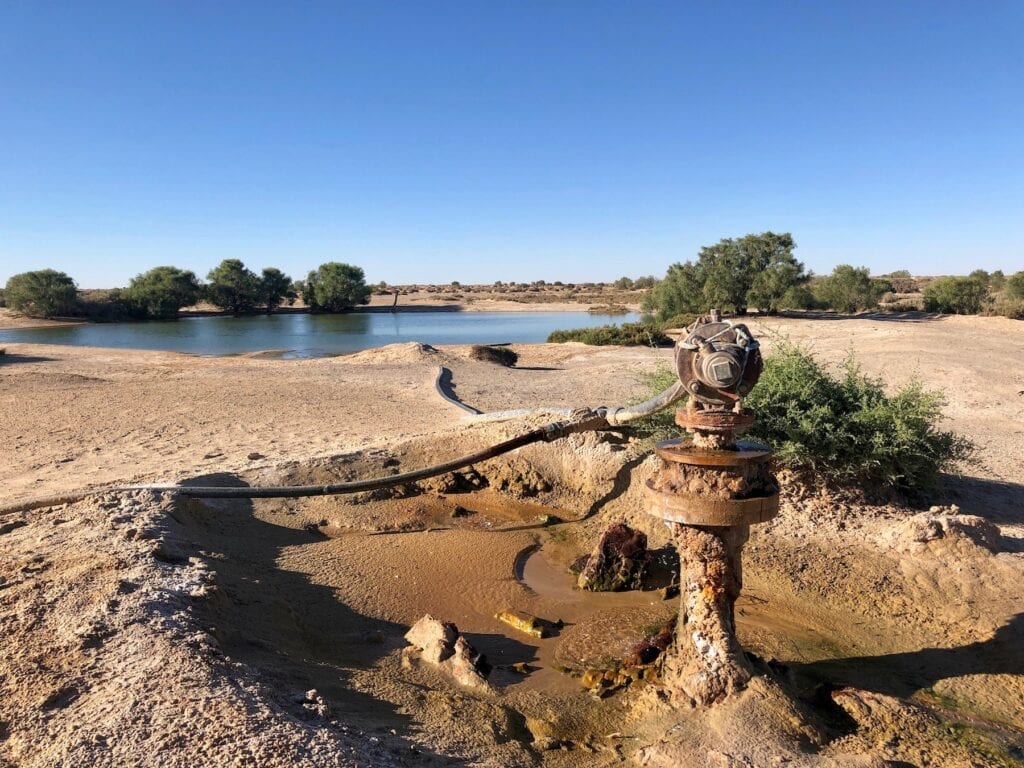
column 160, row 632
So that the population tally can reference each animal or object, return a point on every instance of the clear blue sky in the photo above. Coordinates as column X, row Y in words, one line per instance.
column 474, row 141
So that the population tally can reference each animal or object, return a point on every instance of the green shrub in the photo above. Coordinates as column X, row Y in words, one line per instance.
column 1015, row 286
column 1007, row 306
column 682, row 320
column 799, row 297
column 848, row 428
column 335, row 287
column 850, row 289
column 162, row 291
column 43, row 293
column 956, row 295
column 626, row 335
column 845, row 428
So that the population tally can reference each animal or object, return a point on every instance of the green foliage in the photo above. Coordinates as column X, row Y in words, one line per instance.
column 731, row 275
column 647, row 281
column 43, row 293
column 1015, row 286
column 799, row 297
column 680, row 291
column 847, row 428
column 683, row 320
column 623, row 283
column 774, row 284
column 161, row 292
column 335, row 287
column 997, row 280
column 981, row 276
column 232, row 287
column 849, row 289
column 108, row 306
column 626, row 335
column 1007, row 306
column 957, row 295
column 274, row 287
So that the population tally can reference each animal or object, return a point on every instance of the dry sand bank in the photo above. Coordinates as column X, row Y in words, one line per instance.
column 160, row 633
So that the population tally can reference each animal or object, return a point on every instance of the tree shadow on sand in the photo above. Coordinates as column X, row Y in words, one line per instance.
column 8, row 358
column 296, row 634
column 902, row 674
column 911, row 316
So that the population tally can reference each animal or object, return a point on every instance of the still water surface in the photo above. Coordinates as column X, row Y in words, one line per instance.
column 302, row 335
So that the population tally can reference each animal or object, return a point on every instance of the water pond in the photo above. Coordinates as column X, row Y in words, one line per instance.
column 304, row 335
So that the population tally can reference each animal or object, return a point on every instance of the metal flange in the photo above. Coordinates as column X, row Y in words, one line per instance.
column 714, row 421
column 680, row 451
column 701, row 510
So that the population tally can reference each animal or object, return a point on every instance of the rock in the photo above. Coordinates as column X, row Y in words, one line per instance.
column 549, row 519
column 435, row 639
column 460, row 511
column 933, row 526
column 592, row 678
column 521, row 668
column 468, row 667
column 618, row 561
column 254, row 456
column 524, row 622
column 648, row 650
column 543, row 733
column 439, row 643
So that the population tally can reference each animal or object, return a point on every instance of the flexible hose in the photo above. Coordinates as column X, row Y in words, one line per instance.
column 583, row 421
column 616, row 417
column 548, row 432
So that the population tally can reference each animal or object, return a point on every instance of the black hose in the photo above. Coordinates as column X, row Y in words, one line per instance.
column 553, row 431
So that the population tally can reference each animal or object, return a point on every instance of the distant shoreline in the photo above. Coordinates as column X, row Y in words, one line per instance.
column 9, row 321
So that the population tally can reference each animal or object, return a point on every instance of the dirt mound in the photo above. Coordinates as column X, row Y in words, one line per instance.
column 107, row 660
column 407, row 352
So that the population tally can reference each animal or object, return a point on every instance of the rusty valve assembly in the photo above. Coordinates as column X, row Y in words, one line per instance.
column 709, row 490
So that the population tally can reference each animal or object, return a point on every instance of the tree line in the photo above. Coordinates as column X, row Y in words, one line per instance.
column 760, row 270
column 162, row 292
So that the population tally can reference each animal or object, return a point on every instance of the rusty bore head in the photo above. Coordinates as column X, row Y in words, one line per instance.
column 718, row 361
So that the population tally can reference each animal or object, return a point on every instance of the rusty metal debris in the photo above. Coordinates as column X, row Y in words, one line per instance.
column 524, row 622
column 709, row 490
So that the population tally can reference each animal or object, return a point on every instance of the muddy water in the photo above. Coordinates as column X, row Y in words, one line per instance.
column 496, row 556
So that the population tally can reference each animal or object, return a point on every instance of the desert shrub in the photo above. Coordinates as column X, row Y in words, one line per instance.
column 848, row 428
column 232, row 287
column 494, row 354
column 626, row 335
column 109, row 306
column 956, row 295
column 850, row 289
column 799, row 297
column 162, row 291
column 608, row 309
column 1015, row 286
column 845, row 427
column 43, row 293
column 336, row 287
column 275, row 287
column 1007, row 306
column 682, row 320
